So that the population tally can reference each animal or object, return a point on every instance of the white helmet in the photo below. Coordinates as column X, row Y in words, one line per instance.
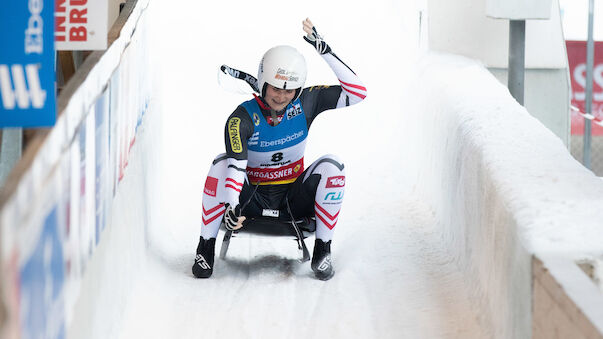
column 282, row 67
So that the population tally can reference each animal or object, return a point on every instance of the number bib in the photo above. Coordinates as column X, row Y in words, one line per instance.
column 276, row 153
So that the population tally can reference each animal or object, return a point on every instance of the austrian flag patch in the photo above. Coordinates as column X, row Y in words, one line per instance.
column 211, row 186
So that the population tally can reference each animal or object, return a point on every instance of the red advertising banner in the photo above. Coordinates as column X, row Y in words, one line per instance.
column 576, row 53
column 81, row 24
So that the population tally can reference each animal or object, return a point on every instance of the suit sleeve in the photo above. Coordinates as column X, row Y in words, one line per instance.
column 318, row 99
column 352, row 88
column 238, row 129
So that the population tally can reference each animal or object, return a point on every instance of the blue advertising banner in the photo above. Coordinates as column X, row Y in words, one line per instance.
column 42, row 281
column 27, row 59
column 102, row 155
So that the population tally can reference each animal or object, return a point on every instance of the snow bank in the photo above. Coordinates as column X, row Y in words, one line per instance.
column 502, row 185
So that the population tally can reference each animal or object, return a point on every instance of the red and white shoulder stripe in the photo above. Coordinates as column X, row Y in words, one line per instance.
column 353, row 90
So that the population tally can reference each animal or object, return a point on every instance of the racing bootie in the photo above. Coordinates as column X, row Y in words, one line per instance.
column 204, row 261
column 321, row 260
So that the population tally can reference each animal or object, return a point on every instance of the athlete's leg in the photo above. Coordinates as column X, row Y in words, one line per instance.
column 217, row 186
column 324, row 183
column 214, row 196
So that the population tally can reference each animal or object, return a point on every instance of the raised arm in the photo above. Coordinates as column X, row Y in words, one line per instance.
column 353, row 90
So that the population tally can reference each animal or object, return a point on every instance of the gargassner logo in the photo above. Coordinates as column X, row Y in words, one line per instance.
column 282, row 141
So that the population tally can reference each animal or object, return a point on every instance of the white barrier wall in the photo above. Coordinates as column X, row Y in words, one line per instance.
column 62, row 197
column 502, row 186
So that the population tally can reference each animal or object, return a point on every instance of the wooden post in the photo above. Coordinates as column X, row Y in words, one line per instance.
column 67, row 65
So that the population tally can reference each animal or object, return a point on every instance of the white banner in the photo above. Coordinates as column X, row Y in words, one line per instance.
column 81, row 24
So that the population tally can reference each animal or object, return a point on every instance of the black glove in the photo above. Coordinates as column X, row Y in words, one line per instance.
column 232, row 217
column 313, row 38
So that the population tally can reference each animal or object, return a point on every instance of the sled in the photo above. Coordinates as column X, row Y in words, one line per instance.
column 274, row 226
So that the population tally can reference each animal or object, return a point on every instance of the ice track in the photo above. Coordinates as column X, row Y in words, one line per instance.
column 393, row 277
column 393, row 283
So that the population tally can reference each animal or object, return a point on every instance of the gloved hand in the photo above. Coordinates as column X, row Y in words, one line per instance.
column 314, row 38
column 232, row 217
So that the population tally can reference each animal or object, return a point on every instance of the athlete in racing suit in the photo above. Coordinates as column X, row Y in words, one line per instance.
column 263, row 167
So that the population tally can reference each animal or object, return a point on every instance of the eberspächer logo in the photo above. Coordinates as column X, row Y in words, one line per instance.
column 27, row 77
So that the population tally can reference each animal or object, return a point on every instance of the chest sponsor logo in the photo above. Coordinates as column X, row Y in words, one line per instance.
column 254, row 139
column 293, row 111
column 290, row 171
column 338, row 181
column 235, row 135
column 282, row 141
column 256, row 119
column 211, row 186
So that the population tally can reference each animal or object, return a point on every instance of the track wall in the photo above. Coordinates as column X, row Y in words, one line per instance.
column 502, row 185
column 63, row 197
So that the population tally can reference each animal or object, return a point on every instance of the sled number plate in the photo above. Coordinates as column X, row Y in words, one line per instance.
column 270, row 213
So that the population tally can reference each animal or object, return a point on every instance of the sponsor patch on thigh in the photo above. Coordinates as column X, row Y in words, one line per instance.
column 338, row 181
column 211, row 186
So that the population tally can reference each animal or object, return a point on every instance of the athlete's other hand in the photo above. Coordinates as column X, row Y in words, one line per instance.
column 313, row 38
column 232, row 217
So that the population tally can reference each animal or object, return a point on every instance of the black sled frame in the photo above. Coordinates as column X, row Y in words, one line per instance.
column 299, row 229
column 266, row 225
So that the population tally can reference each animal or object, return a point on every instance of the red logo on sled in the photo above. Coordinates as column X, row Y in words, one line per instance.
column 211, row 185
column 338, row 181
